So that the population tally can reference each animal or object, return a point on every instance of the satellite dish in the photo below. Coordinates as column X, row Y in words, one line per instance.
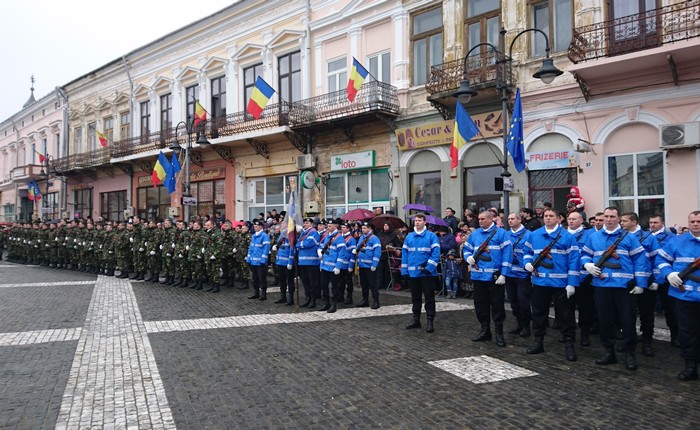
column 308, row 179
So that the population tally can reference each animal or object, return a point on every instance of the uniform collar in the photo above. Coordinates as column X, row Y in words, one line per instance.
column 548, row 232
column 493, row 225
column 574, row 231
column 522, row 227
column 606, row 231
column 420, row 233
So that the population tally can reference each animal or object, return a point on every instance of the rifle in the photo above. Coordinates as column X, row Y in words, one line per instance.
column 695, row 265
column 546, row 252
column 484, row 247
column 610, row 252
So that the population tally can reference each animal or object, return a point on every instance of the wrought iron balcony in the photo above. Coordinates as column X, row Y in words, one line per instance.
column 143, row 143
column 82, row 161
column 444, row 78
column 274, row 115
column 636, row 32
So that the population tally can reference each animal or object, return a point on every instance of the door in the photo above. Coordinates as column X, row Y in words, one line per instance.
column 635, row 25
column 551, row 186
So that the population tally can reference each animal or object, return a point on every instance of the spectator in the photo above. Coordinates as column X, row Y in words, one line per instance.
column 453, row 274
column 450, row 219
column 447, row 241
column 529, row 221
column 539, row 211
column 470, row 219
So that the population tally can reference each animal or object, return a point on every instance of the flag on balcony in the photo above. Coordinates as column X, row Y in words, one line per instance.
column 465, row 130
column 170, row 180
column 33, row 188
column 160, row 170
column 42, row 157
column 291, row 222
column 200, row 114
column 515, row 135
column 102, row 137
column 358, row 74
column 262, row 93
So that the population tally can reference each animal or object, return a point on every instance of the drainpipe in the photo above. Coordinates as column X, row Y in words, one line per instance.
column 63, row 195
column 129, row 192
column 307, row 66
column 16, row 165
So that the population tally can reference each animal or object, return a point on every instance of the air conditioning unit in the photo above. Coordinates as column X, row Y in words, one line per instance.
column 128, row 212
column 173, row 211
column 312, row 208
column 306, row 161
column 677, row 136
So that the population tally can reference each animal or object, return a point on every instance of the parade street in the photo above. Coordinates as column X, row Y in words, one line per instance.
column 86, row 351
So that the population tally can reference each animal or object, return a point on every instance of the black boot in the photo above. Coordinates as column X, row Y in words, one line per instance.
column 312, row 303
column 429, row 326
column 537, row 347
column 484, row 334
column 326, row 305
column 243, row 285
column 631, row 361
column 375, row 303
column 690, row 373
column 348, row 300
column 140, row 277
column 608, row 356
column 164, row 281
column 585, row 338
column 646, row 348
column 364, row 303
column 283, row 297
column 200, row 283
column 333, row 308
column 263, row 295
column 306, row 303
column 500, row 340
column 516, row 330
column 148, row 277
column 255, row 295
column 215, row 288
column 415, row 323
column 526, row 330
column 133, row 276
column 290, row 299
column 170, row 280
column 570, row 351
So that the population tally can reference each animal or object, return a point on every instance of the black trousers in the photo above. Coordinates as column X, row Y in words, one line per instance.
column 259, row 277
column 645, row 306
column 309, row 278
column 383, row 274
column 519, row 293
column 616, row 306
column 488, row 302
column 563, row 308
column 688, row 314
column 368, row 282
column 327, row 278
column 584, row 299
column 345, row 283
column 668, row 305
column 423, row 287
column 286, row 279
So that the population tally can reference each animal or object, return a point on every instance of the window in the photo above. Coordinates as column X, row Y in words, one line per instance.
column 8, row 213
column 289, row 69
column 555, row 18
column 551, row 185
column 153, row 202
column 50, row 208
column 92, row 137
column 82, row 203
column 218, row 97
column 483, row 24
column 357, row 189
column 639, row 29
column 425, row 189
column 145, row 118
column 337, row 75
column 191, row 95
column 211, row 197
column 267, row 194
column 636, row 184
column 112, row 205
column 426, row 39
column 250, row 74
column 108, row 127
column 380, row 66
column 78, row 139
column 125, row 125
column 166, row 112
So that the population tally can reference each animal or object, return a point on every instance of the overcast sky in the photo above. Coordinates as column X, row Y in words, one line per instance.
column 58, row 41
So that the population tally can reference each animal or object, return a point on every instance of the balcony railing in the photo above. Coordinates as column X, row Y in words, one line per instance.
column 82, row 160
column 636, row 32
column 26, row 172
column 444, row 78
column 274, row 115
column 143, row 143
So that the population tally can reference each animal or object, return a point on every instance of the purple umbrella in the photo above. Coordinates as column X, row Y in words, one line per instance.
column 418, row 207
column 429, row 219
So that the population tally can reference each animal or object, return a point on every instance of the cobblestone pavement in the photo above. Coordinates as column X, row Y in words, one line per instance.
column 80, row 351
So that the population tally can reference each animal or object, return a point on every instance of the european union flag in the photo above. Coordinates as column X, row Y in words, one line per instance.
column 515, row 143
column 170, row 180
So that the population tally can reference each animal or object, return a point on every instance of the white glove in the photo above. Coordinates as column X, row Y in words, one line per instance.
column 373, row 268
column 274, row 248
column 100, row 246
column 160, row 247
column 75, row 240
column 471, row 261
column 529, row 267
column 354, row 252
column 145, row 244
column 213, row 257
column 637, row 290
column 674, row 279
column 235, row 250
column 289, row 267
column 592, row 269
column 91, row 243
column 570, row 291
column 203, row 250
column 179, row 255
column 654, row 286
column 187, row 247
column 501, row 280
column 65, row 238
column 110, row 252
column 152, row 253
column 351, row 269
column 55, row 240
column 336, row 271
column 131, row 239
column 83, row 243
column 140, row 249
column 172, row 245
column 319, row 252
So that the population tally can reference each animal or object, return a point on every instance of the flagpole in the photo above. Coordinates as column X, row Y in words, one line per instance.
column 368, row 72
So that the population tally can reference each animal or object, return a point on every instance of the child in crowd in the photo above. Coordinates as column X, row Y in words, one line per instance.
column 453, row 273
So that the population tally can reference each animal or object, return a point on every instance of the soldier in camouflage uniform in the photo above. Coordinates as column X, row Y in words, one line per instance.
column 240, row 250
column 167, row 252
column 88, row 251
column 182, row 247
column 197, row 250
column 228, row 237
column 54, row 244
column 138, row 250
column 98, row 257
column 213, row 255
column 153, row 241
column 43, row 242
column 3, row 240
column 108, row 249
column 124, row 245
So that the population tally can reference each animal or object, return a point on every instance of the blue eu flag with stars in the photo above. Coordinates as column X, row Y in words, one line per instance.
column 515, row 143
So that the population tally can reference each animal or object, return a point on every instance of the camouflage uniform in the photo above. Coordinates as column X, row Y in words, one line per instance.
column 125, row 240
column 167, row 252
column 182, row 247
column 108, row 249
column 138, row 249
column 213, row 256
column 240, row 250
column 198, row 241
column 227, row 241
column 153, row 240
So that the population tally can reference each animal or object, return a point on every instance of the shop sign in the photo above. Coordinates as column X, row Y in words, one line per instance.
column 551, row 160
column 189, row 201
column 198, row 175
column 355, row 160
column 79, row 187
column 441, row 133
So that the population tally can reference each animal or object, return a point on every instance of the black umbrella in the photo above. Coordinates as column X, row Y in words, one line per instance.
column 394, row 222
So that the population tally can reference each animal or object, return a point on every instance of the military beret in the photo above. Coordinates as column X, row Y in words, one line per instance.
column 311, row 220
column 366, row 223
column 258, row 222
column 332, row 221
column 322, row 221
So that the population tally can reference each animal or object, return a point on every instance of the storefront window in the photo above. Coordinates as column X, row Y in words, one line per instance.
column 112, row 205
column 50, row 208
column 82, row 200
column 269, row 193
column 480, row 188
column 425, row 189
column 8, row 213
column 211, row 197
column 365, row 189
column 636, row 184
column 153, row 202
column 551, row 186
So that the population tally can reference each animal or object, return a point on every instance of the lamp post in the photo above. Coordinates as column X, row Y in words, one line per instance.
column 175, row 147
column 505, row 85
column 50, row 170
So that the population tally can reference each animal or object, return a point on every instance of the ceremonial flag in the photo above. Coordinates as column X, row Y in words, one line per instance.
column 160, row 170
column 33, row 188
column 170, row 180
column 42, row 157
column 291, row 225
column 200, row 114
column 262, row 93
column 358, row 74
column 515, row 135
column 103, row 138
column 465, row 130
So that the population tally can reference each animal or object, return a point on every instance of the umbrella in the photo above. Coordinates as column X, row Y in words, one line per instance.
column 429, row 219
column 418, row 207
column 394, row 222
column 357, row 215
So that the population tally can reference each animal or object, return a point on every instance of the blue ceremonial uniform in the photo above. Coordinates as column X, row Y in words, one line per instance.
column 518, row 283
column 329, row 257
column 419, row 261
column 647, row 300
column 285, row 258
column 664, row 238
column 584, row 297
column 258, row 252
column 369, row 251
column 346, row 264
column 308, row 262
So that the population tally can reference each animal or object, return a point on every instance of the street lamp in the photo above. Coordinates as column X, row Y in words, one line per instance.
column 175, row 147
column 50, row 170
column 504, row 84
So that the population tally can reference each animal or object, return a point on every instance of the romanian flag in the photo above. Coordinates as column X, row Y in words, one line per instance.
column 291, row 227
column 103, row 138
column 465, row 130
column 34, row 193
column 160, row 170
column 42, row 157
column 200, row 114
column 262, row 93
column 358, row 74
